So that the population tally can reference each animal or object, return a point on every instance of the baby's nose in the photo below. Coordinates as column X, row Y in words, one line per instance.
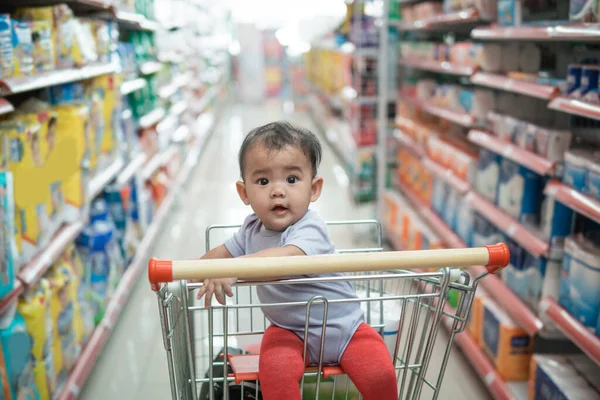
column 278, row 191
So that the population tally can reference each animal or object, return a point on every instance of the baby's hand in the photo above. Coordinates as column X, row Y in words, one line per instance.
column 218, row 287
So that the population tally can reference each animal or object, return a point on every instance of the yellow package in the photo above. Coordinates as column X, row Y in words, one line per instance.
column 26, row 153
column 475, row 323
column 43, row 46
column 61, row 311
column 84, row 313
column 34, row 306
column 509, row 346
column 73, row 139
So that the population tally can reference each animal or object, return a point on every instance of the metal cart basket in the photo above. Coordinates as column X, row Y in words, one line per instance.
column 212, row 353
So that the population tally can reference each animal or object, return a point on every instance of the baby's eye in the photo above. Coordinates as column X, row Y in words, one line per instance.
column 292, row 179
column 263, row 181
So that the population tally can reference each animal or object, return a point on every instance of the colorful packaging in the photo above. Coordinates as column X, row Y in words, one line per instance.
column 79, row 284
column 8, row 256
column 26, row 153
column 34, row 306
column 508, row 345
column 519, row 191
column 73, row 123
column 592, row 186
column 16, row 368
column 488, row 174
column 588, row 90
column 475, row 324
column 43, row 47
column 555, row 377
column 575, row 174
column 584, row 280
column 574, row 79
column 22, row 48
column 6, row 47
column 484, row 233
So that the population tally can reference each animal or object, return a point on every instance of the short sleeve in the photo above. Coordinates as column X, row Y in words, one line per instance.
column 309, row 235
column 236, row 245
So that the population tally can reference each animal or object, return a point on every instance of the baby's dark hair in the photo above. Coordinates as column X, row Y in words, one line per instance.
column 278, row 135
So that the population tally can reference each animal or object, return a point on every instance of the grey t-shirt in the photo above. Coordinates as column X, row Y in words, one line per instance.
column 310, row 235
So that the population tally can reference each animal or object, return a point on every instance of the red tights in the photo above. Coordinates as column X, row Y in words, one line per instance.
column 366, row 361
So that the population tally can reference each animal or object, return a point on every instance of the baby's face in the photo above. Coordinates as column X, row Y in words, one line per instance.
column 278, row 185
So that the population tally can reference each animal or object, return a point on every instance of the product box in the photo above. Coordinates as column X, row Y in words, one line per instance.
column 73, row 172
column 25, row 154
column 519, row 191
column 554, row 377
column 22, row 48
column 557, row 222
column 581, row 279
column 488, row 174
column 8, row 256
column 484, row 233
column 16, row 365
column 475, row 324
column 508, row 345
column 6, row 47
column 584, row 10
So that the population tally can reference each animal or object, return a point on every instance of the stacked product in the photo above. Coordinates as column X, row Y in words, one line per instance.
column 43, row 39
column 411, row 13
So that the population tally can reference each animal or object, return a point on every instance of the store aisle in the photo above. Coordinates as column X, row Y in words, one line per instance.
column 133, row 364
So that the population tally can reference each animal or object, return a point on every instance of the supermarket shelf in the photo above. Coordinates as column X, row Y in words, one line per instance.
column 76, row 5
column 458, row 117
column 433, row 220
column 92, row 350
column 572, row 328
column 150, row 67
column 409, row 143
column 447, row 175
column 438, row 66
column 158, row 161
column 520, row 234
column 33, row 271
column 576, row 107
column 481, row 363
column 575, row 32
column 10, row 86
column 5, row 107
column 512, row 304
column 135, row 21
column 514, row 153
column 132, row 168
column 104, row 178
column 544, row 92
column 11, row 297
column 445, row 20
column 133, row 86
column 575, row 200
column 152, row 118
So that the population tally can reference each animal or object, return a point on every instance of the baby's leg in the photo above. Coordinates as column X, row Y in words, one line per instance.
column 368, row 363
column 281, row 364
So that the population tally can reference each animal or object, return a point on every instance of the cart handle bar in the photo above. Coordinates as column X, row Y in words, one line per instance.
column 494, row 257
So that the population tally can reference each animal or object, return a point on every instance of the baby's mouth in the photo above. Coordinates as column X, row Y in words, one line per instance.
column 279, row 209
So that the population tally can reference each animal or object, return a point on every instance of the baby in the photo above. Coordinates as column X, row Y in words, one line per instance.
column 278, row 164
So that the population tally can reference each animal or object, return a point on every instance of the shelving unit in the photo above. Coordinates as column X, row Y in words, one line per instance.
column 576, row 107
column 574, row 32
column 579, row 202
column 442, row 67
column 457, row 117
column 520, row 86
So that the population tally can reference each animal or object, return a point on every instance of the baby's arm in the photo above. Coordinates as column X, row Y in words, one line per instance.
column 220, row 286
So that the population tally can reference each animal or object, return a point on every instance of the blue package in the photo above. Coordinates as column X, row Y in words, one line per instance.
column 488, row 174
column 484, row 233
column 575, row 173
column 589, row 83
column 519, row 191
column 574, row 78
column 466, row 99
column 16, row 365
column 564, row 297
column 545, row 385
column 592, row 186
column 557, row 221
column 451, row 209
column 67, row 93
column 508, row 13
column 6, row 47
column 8, row 256
column 584, row 281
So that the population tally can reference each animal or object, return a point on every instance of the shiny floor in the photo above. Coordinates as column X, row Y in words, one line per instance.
column 133, row 365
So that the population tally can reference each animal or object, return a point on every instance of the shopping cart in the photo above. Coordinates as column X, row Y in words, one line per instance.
column 403, row 296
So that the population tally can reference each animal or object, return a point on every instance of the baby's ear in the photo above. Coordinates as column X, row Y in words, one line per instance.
column 241, row 189
column 317, row 186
